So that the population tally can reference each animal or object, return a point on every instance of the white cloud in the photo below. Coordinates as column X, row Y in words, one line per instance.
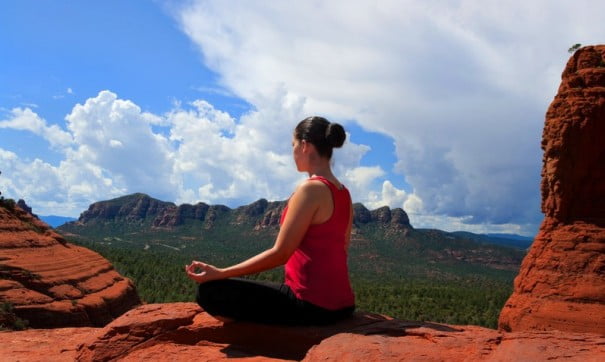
column 235, row 162
column 206, row 155
column 115, row 141
column 449, row 223
column 34, row 181
column 27, row 120
column 461, row 87
column 359, row 179
column 115, row 144
column 109, row 150
column 388, row 196
column 213, row 90
column 413, row 205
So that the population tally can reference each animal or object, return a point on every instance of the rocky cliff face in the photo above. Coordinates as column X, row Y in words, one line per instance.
column 133, row 208
column 172, row 216
column 271, row 214
column 51, row 283
column 561, row 284
column 144, row 211
column 383, row 216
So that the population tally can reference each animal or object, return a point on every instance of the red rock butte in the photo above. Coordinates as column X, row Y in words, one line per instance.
column 52, row 283
column 561, row 283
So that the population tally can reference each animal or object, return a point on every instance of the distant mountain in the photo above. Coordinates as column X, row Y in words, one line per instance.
column 54, row 220
column 508, row 240
column 51, row 220
column 140, row 212
column 510, row 236
column 382, row 239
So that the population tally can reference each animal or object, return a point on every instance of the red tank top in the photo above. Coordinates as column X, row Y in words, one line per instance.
column 317, row 271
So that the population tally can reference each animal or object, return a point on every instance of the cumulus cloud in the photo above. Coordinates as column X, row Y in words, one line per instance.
column 109, row 149
column 35, row 181
column 115, row 139
column 359, row 179
column 389, row 195
column 461, row 87
column 25, row 119
column 205, row 155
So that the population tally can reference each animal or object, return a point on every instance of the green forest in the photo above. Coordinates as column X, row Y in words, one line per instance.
column 444, row 294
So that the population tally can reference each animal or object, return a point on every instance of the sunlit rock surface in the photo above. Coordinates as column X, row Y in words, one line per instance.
column 182, row 332
column 561, row 283
column 52, row 283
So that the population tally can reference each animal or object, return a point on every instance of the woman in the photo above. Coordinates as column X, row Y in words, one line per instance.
column 313, row 241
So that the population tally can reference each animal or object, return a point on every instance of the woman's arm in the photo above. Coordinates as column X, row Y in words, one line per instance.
column 302, row 206
column 349, row 228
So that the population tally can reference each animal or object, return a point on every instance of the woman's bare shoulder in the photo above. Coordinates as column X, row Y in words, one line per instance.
column 315, row 185
column 312, row 188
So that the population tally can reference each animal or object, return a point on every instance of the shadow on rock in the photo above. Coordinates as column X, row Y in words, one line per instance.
column 151, row 326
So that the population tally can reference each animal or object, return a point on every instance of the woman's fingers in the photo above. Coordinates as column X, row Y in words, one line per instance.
column 196, row 277
column 202, row 272
column 196, row 264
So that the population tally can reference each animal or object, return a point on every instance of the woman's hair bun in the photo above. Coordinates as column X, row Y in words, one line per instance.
column 335, row 135
column 321, row 133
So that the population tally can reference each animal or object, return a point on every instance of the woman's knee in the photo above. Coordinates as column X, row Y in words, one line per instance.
column 204, row 294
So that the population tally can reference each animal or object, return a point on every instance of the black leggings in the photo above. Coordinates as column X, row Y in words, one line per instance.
column 263, row 302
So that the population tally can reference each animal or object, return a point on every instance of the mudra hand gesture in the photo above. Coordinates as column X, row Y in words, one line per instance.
column 202, row 272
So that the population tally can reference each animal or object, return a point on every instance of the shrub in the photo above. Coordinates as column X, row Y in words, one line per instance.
column 8, row 319
column 574, row 47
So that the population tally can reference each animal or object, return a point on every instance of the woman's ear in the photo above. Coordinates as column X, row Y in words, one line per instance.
column 305, row 145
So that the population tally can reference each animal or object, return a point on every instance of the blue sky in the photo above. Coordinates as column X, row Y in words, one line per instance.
column 194, row 101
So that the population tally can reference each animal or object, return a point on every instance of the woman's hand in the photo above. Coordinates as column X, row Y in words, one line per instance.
column 202, row 272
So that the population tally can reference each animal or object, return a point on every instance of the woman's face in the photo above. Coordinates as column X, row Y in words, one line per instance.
column 297, row 153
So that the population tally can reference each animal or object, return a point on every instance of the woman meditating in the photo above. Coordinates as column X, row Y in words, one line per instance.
column 313, row 240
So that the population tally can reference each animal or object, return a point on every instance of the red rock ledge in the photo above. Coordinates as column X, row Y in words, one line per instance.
column 51, row 283
column 182, row 332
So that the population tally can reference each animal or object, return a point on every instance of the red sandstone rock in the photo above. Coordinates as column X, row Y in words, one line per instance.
column 51, row 283
column 135, row 327
column 182, row 332
column 467, row 343
column 561, row 283
column 573, row 176
column 43, row 345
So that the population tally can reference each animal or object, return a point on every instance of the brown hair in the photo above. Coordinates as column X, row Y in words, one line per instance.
column 324, row 135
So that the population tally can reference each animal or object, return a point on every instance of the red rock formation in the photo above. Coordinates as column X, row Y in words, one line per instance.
column 51, row 283
column 561, row 284
column 182, row 332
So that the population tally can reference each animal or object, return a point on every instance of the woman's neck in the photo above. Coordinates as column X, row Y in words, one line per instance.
column 321, row 169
